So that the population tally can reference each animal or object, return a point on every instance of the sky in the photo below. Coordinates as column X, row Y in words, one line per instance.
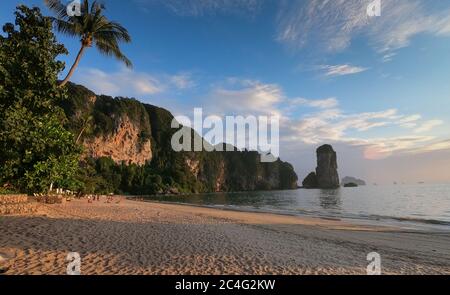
column 375, row 87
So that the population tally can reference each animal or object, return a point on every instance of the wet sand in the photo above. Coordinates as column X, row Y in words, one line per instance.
column 153, row 238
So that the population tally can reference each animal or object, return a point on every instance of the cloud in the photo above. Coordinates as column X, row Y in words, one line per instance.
column 182, row 81
column 126, row 82
column 380, row 148
column 435, row 146
column 332, row 25
column 340, row 70
column 205, row 7
column 324, row 120
column 388, row 57
column 428, row 126
column 329, row 23
column 122, row 82
column 409, row 121
column 318, row 103
column 331, row 124
column 244, row 97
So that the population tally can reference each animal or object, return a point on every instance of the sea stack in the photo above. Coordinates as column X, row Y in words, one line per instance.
column 310, row 181
column 326, row 171
column 326, row 175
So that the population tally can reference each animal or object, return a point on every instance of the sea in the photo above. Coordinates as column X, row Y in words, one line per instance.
column 419, row 206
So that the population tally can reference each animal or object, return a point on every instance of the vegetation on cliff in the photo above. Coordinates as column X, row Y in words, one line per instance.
column 165, row 171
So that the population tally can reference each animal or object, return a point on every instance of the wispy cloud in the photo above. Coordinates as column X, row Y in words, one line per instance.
column 409, row 121
column 205, row 7
column 122, row 82
column 242, row 96
column 332, row 124
column 332, row 25
column 380, row 148
column 126, row 82
column 428, row 125
column 315, row 103
column 435, row 146
column 340, row 70
column 182, row 81
column 314, row 121
column 388, row 57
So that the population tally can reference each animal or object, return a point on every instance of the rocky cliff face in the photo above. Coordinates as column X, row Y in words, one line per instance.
column 310, row 181
column 326, row 175
column 132, row 133
column 326, row 171
column 123, row 144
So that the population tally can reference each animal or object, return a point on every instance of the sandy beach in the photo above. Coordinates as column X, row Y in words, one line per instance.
column 153, row 238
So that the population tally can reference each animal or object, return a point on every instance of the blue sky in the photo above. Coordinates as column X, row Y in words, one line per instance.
column 377, row 88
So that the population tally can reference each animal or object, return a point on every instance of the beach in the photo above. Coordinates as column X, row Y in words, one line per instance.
column 133, row 237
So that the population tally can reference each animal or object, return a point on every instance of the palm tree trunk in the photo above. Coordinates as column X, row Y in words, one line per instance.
column 74, row 66
column 80, row 134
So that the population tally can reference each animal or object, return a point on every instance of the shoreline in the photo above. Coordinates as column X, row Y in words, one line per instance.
column 404, row 223
column 135, row 237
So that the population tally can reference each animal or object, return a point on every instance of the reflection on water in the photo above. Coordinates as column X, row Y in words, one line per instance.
column 330, row 199
column 419, row 203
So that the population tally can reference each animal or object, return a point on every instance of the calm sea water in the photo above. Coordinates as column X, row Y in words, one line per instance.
column 410, row 206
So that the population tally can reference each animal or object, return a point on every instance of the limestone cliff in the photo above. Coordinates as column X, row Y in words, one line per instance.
column 310, row 181
column 107, row 127
column 132, row 133
column 122, row 145
column 326, row 171
column 326, row 175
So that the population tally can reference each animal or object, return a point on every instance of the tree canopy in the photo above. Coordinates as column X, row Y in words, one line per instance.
column 36, row 149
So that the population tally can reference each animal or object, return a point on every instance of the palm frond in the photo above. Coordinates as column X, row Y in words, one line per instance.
column 66, row 27
column 93, row 26
column 58, row 8
column 111, row 30
column 112, row 49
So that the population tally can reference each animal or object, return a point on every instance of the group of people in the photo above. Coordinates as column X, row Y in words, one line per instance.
column 92, row 198
column 109, row 199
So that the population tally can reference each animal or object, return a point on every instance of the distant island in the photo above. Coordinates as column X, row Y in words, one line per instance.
column 350, row 179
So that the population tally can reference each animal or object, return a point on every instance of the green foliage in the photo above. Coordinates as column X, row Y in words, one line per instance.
column 101, row 114
column 104, row 176
column 7, row 191
column 92, row 28
column 36, row 149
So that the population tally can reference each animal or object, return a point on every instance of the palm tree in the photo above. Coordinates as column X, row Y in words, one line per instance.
column 86, row 126
column 93, row 28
